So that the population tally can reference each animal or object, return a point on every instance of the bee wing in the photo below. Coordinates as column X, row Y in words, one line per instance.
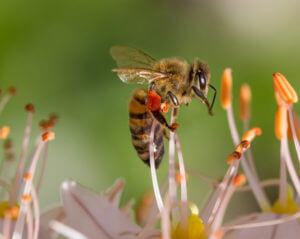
column 139, row 75
column 130, row 57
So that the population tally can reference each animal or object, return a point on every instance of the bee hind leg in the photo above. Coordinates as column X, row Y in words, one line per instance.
column 162, row 120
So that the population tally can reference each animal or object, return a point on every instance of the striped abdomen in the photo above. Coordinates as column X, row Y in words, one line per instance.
column 140, row 123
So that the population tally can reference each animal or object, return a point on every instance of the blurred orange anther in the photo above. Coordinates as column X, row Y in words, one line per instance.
column 154, row 100
column 47, row 136
column 30, row 108
column 241, row 147
column 226, row 88
column 250, row 135
column 26, row 198
column 239, row 180
column 284, row 89
column 245, row 99
column 12, row 90
column 233, row 156
column 53, row 118
column 14, row 212
column 4, row 132
column 281, row 123
column 218, row 234
column 144, row 207
column 179, row 177
column 27, row 176
column 1, row 91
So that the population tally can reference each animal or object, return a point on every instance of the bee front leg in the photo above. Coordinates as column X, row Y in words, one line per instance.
column 161, row 119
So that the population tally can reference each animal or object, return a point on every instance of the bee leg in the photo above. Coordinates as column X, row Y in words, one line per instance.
column 173, row 98
column 161, row 119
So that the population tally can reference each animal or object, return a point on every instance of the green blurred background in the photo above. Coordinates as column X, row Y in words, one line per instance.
column 57, row 54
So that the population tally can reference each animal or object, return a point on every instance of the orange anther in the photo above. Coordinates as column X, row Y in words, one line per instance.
column 239, row 180
column 245, row 99
column 28, row 176
column 154, row 100
column 26, row 198
column 250, row 135
column 47, row 136
column 218, row 234
column 164, row 107
column 284, row 89
column 144, row 207
column 179, row 177
column 226, row 88
column 30, row 108
column 53, row 118
column 12, row 90
column 233, row 156
column 14, row 212
column 4, row 132
column 281, row 124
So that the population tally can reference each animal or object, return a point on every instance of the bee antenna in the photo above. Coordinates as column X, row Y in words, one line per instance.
column 215, row 94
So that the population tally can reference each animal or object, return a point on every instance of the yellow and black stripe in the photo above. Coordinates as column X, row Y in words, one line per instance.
column 140, row 123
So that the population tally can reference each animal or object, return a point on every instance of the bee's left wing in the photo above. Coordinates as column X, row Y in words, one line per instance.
column 139, row 75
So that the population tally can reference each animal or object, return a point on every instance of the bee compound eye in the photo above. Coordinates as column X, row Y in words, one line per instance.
column 202, row 80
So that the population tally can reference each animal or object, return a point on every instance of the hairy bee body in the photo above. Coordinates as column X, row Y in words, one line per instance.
column 140, row 123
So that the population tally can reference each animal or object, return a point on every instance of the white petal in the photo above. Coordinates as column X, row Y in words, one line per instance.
column 94, row 215
column 114, row 193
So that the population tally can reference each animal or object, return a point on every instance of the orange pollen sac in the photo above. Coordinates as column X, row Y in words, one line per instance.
column 4, row 132
column 1, row 91
column 239, row 180
column 164, row 107
column 233, row 156
column 12, row 90
column 179, row 177
column 218, row 234
column 252, row 133
column 154, row 100
column 284, row 89
column 30, row 108
column 281, row 124
column 226, row 88
column 53, row 118
column 245, row 99
column 47, row 136
column 144, row 207
column 27, row 176
column 26, row 198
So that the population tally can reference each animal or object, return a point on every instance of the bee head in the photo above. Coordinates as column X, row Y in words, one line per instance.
column 200, row 78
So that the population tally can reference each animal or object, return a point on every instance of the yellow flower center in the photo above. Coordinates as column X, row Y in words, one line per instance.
column 6, row 209
column 194, row 229
column 290, row 206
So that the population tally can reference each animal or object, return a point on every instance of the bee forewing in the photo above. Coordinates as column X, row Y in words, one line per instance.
column 129, row 57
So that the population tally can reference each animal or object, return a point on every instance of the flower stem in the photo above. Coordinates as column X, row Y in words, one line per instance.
column 283, row 179
column 295, row 138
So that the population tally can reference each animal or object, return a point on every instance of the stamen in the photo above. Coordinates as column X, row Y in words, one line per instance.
column 21, row 163
column 251, row 134
column 30, row 108
column 245, row 101
column 6, row 97
column 284, row 88
column 294, row 133
column 43, row 168
column 281, row 122
column 153, row 171
column 36, row 208
column 172, row 183
column 12, row 90
column 48, row 136
column 226, row 88
column 29, row 223
column 183, row 187
column 26, row 193
column 4, row 132
column 66, row 230
column 179, row 177
column 263, row 224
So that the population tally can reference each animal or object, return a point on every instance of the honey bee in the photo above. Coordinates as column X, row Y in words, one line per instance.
column 172, row 82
